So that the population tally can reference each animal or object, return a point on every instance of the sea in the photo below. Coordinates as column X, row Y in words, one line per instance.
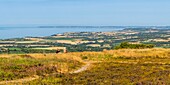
column 21, row 32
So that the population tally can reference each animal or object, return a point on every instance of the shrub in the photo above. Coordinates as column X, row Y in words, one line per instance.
column 84, row 57
column 126, row 45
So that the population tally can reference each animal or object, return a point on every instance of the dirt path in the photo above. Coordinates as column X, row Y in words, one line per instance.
column 20, row 80
column 85, row 67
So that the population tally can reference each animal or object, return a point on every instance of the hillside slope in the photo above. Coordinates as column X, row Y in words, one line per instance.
column 124, row 66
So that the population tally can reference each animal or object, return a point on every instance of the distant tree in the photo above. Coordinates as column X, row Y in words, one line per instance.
column 126, row 45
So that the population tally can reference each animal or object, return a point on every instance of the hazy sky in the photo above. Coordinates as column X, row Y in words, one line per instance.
column 85, row 12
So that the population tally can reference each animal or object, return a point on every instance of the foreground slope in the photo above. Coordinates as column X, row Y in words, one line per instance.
column 124, row 66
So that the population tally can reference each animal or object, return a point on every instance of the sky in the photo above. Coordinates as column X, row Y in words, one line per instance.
column 85, row 12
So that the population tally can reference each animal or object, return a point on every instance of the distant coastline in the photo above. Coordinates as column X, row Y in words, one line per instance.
column 7, row 32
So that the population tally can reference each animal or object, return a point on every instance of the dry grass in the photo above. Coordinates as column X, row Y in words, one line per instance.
column 155, row 52
column 132, row 53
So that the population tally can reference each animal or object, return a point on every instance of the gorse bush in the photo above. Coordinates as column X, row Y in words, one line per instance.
column 126, row 45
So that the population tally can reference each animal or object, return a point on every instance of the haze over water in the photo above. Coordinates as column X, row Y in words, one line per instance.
column 6, row 33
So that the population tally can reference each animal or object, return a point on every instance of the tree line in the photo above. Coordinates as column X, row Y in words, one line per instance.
column 126, row 45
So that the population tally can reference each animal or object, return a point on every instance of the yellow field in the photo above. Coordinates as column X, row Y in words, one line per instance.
column 26, row 42
column 51, row 48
